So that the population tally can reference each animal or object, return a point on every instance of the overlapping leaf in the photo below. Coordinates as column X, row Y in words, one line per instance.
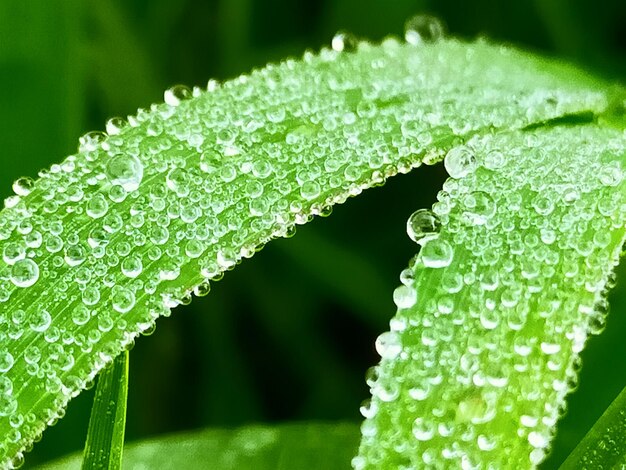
column 498, row 304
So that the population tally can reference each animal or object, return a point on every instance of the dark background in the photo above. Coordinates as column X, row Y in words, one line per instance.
column 289, row 335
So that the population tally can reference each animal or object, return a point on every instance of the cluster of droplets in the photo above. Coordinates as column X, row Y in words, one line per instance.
column 119, row 233
column 514, row 262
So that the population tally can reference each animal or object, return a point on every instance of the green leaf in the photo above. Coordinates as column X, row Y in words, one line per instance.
column 496, row 307
column 314, row 446
column 118, row 234
column 604, row 446
column 105, row 437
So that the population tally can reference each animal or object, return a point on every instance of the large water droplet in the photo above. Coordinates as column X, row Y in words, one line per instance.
column 97, row 206
column 422, row 226
column 176, row 94
column 115, row 125
column 423, row 29
column 125, row 170
column 23, row 186
column 310, row 190
column 123, row 299
column 460, row 162
column 404, row 296
column 437, row 253
column 40, row 321
column 389, row 345
column 24, row 273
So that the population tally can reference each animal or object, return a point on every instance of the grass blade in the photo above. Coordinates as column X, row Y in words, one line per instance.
column 311, row 446
column 498, row 304
column 105, row 437
column 604, row 446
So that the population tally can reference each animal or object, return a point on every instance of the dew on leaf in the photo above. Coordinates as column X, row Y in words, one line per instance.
column 344, row 41
column 422, row 226
column 125, row 170
column 460, row 162
column 437, row 253
column 25, row 273
column 23, row 186
column 421, row 29
column 176, row 94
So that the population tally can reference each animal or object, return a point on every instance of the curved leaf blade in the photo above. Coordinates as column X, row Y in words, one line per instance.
column 495, row 310
column 118, row 234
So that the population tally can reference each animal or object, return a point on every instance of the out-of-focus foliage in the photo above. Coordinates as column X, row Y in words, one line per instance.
column 66, row 66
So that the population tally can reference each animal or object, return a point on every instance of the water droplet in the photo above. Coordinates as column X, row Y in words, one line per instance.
column 537, row 439
column 125, row 170
column 494, row 160
column 40, row 321
column 13, row 252
column 389, row 345
column 310, row 190
column 460, row 162
column 421, row 29
column 24, row 273
column 23, row 186
column 115, row 125
column 132, row 266
column 437, row 253
column 123, row 299
column 75, row 255
column 6, row 360
column 344, row 41
column 423, row 226
column 404, row 296
column 176, row 94
column 97, row 206
column 423, row 429
column 480, row 207
column 91, row 141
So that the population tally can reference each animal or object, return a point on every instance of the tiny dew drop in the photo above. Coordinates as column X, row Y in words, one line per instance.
column 404, row 296
column 40, row 321
column 494, row 160
column 97, row 206
column 24, row 273
column 91, row 141
column 115, row 125
column 421, row 29
column 203, row 289
column 176, row 94
column 388, row 345
column 310, row 190
column 125, row 170
column 480, row 207
column 423, row 429
column 23, row 186
column 437, row 254
column 123, row 299
column 422, row 226
column 132, row 266
column 344, row 41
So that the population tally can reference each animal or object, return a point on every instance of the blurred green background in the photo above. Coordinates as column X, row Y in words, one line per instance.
column 289, row 335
